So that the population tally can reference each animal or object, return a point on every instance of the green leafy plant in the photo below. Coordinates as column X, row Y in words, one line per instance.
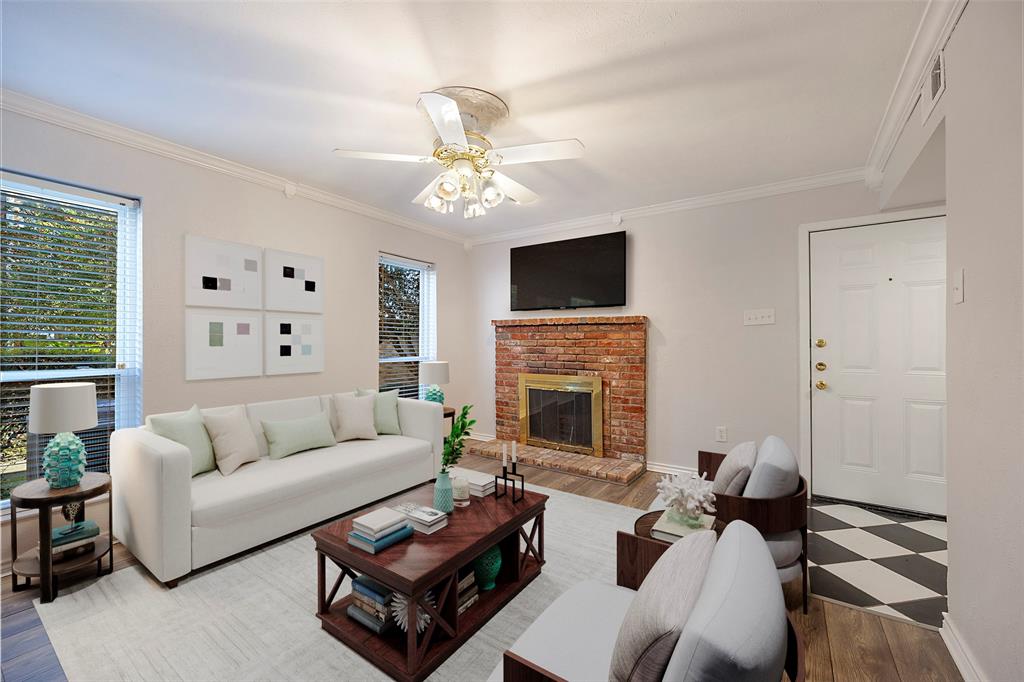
column 455, row 442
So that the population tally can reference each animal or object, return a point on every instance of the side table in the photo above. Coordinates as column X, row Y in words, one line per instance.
column 38, row 562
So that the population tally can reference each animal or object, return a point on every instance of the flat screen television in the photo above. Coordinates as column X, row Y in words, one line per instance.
column 589, row 272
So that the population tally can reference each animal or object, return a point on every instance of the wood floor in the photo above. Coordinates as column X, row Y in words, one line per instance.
column 842, row 643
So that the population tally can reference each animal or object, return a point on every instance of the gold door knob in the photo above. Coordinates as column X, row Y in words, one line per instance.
column 820, row 366
column 820, row 385
column 820, row 343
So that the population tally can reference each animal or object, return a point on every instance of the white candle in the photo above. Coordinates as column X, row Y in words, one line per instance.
column 504, row 454
column 515, row 456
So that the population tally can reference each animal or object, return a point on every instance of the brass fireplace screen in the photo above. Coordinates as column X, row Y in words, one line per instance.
column 561, row 412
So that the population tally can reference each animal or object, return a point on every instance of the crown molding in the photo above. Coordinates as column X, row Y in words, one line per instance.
column 702, row 201
column 18, row 103
column 933, row 31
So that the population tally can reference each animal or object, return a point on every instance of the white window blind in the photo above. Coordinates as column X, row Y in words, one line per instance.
column 407, row 333
column 70, row 310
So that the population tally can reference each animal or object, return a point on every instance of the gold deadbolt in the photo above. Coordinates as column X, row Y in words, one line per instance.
column 820, row 343
column 821, row 366
column 820, row 385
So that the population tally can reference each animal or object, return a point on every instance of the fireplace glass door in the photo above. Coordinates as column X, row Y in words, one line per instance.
column 560, row 417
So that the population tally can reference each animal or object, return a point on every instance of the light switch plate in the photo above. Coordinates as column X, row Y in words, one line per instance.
column 759, row 316
column 721, row 434
column 958, row 286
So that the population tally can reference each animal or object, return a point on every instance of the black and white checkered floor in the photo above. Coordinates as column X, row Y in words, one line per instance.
column 883, row 561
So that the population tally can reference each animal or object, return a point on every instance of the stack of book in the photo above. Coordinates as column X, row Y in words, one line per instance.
column 371, row 605
column 424, row 519
column 469, row 594
column 378, row 530
column 668, row 530
column 480, row 484
column 68, row 542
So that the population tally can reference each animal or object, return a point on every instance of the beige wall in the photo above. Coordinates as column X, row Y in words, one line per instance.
column 693, row 273
column 984, row 181
column 178, row 197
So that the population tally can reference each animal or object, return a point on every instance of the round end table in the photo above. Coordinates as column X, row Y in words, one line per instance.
column 38, row 562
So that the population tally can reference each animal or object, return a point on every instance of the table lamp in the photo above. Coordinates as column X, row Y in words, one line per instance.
column 432, row 374
column 61, row 409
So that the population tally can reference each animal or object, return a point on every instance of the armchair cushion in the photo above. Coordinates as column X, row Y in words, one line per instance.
column 662, row 605
column 776, row 472
column 735, row 470
column 574, row 636
column 784, row 547
column 737, row 629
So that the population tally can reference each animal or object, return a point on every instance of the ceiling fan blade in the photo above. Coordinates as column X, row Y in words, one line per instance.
column 444, row 112
column 539, row 151
column 427, row 191
column 381, row 156
column 513, row 190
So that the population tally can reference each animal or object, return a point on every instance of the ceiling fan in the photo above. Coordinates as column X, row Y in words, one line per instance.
column 462, row 116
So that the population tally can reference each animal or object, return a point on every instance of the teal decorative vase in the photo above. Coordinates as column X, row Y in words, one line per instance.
column 443, row 499
column 434, row 394
column 64, row 461
column 486, row 567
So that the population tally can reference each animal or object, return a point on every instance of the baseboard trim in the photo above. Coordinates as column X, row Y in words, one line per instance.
column 671, row 469
column 958, row 650
column 481, row 436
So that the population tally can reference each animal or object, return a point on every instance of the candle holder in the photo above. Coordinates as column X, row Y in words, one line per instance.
column 510, row 477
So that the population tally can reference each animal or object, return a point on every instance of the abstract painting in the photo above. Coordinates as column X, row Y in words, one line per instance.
column 294, row 343
column 221, row 274
column 221, row 344
column 294, row 282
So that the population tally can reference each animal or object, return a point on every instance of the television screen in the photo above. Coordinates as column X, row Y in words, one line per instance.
column 588, row 272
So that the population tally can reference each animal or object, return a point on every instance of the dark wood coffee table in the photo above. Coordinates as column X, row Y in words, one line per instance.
column 431, row 562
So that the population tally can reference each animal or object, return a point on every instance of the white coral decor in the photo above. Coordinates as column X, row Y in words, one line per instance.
column 690, row 496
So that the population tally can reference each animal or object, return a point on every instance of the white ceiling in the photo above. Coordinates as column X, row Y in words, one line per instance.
column 672, row 100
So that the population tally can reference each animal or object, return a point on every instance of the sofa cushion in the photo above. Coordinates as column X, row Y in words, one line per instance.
column 188, row 429
column 279, row 410
column 575, row 635
column 354, row 416
column 737, row 629
column 657, row 615
column 785, row 547
column 233, row 441
column 297, row 435
column 734, row 471
column 385, row 411
column 260, row 486
column 776, row 472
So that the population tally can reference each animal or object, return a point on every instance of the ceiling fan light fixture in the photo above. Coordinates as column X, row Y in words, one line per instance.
column 464, row 167
column 491, row 195
column 471, row 207
column 436, row 203
column 448, row 186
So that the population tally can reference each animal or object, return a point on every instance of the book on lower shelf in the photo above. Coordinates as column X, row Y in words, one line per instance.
column 379, row 545
column 368, row 621
column 669, row 530
column 371, row 605
column 74, row 539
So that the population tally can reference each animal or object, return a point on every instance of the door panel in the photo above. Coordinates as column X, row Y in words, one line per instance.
column 878, row 420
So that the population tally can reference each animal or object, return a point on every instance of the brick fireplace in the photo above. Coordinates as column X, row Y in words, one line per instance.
column 611, row 348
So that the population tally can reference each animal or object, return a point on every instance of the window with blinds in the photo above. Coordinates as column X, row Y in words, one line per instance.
column 407, row 332
column 70, row 310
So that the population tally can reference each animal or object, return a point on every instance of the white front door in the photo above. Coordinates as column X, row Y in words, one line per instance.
column 878, row 364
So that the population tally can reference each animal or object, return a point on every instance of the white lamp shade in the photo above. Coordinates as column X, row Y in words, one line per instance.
column 434, row 372
column 59, row 408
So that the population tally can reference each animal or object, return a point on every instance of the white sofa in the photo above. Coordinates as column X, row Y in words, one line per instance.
column 175, row 523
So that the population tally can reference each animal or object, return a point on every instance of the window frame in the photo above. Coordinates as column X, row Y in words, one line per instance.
column 427, row 315
column 128, row 361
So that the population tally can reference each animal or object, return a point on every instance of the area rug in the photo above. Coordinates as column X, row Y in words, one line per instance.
column 253, row 618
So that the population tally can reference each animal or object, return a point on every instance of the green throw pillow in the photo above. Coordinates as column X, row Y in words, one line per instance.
column 385, row 411
column 187, row 428
column 296, row 435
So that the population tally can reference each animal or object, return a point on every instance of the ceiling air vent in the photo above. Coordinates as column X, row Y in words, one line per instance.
column 934, row 86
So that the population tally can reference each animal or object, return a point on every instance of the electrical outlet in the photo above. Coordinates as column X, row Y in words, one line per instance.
column 721, row 434
column 758, row 317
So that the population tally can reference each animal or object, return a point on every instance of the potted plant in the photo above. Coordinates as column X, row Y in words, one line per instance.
column 453, row 445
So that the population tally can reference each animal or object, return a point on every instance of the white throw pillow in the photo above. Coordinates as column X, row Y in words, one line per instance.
column 234, row 443
column 354, row 416
column 660, row 609
column 735, row 469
